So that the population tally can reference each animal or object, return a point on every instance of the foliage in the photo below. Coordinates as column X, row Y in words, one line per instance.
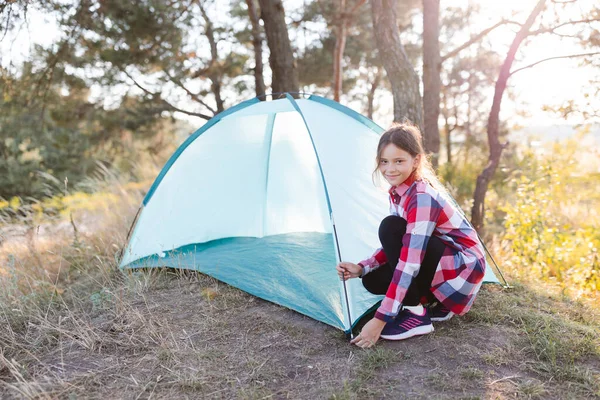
column 551, row 224
column 106, row 89
column 460, row 179
column 54, row 133
column 36, row 137
column 159, row 47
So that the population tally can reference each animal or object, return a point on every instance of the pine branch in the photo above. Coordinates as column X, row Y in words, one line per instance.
column 552, row 58
column 190, row 93
column 554, row 28
column 163, row 101
column 475, row 38
column 358, row 4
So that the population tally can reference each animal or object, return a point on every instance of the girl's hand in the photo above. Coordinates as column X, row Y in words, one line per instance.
column 347, row 270
column 369, row 334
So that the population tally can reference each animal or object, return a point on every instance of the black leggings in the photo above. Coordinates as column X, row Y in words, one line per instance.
column 391, row 232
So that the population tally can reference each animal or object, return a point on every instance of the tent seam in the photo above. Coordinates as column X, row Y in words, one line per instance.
column 269, row 127
column 335, row 238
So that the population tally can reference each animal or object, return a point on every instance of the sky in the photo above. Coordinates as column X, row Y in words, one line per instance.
column 550, row 83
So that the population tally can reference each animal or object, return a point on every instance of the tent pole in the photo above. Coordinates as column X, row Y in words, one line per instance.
column 506, row 285
column 122, row 249
column 343, row 280
column 295, row 105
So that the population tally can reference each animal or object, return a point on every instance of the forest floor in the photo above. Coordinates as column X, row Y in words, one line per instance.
column 96, row 333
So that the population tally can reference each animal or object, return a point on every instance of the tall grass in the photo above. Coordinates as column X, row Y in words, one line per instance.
column 54, row 241
column 59, row 267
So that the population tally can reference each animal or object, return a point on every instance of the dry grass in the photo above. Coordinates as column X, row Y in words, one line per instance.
column 73, row 326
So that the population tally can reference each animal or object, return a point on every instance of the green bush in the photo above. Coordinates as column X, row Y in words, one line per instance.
column 550, row 225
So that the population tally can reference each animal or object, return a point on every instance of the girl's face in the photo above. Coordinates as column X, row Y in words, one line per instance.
column 396, row 165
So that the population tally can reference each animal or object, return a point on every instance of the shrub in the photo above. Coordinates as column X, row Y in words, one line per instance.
column 550, row 225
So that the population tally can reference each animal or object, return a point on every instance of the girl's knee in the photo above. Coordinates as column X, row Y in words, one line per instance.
column 392, row 225
column 373, row 286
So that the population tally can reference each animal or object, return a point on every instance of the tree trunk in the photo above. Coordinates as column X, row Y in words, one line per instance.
column 447, row 129
column 483, row 180
column 468, row 126
column 431, row 78
column 213, row 71
column 259, row 81
column 448, row 144
column 281, row 59
column 338, row 51
column 371, row 95
column 342, row 20
column 400, row 72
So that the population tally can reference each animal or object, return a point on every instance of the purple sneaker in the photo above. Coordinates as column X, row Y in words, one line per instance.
column 440, row 312
column 407, row 325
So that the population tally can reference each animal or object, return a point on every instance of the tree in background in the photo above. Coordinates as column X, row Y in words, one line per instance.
column 259, row 80
column 463, row 109
column 400, row 72
column 468, row 68
column 456, row 20
column 345, row 47
column 214, row 73
column 495, row 147
column 168, row 51
column 432, row 65
column 281, row 57
column 53, row 126
column 152, row 61
column 59, row 132
column 343, row 18
column 477, row 212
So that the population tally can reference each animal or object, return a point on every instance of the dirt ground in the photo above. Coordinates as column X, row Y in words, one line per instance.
column 196, row 338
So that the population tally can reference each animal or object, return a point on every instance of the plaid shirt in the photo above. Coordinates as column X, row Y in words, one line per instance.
column 460, row 271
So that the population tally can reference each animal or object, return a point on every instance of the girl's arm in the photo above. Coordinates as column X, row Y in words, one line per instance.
column 347, row 270
column 378, row 258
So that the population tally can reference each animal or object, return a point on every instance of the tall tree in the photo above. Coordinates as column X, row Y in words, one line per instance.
column 463, row 105
column 483, row 180
column 213, row 72
column 362, row 71
column 343, row 18
column 432, row 64
column 401, row 74
column 455, row 20
column 259, row 80
column 373, row 86
column 281, row 57
column 168, row 50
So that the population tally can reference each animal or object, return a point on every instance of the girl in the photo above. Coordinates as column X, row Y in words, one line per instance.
column 430, row 253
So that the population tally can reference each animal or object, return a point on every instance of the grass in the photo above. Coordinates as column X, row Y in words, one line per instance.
column 73, row 326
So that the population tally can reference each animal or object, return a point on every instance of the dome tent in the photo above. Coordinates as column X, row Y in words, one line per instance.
column 250, row 199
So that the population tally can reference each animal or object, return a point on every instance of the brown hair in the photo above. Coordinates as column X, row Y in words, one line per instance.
column 407, row 137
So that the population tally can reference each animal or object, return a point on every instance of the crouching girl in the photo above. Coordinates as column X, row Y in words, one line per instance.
column 429, row 252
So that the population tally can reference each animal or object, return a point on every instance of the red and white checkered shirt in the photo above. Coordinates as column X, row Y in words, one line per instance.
column 461, row 269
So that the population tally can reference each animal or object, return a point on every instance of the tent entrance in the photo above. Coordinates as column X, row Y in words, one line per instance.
column 293, row 270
